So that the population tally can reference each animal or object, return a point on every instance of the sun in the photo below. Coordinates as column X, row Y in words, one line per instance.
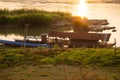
column 82, row 1
column 82, row 8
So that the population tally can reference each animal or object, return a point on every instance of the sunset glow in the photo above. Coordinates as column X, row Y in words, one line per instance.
column 82, row 8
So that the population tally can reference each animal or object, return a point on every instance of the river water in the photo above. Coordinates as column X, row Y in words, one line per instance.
column 109, row 11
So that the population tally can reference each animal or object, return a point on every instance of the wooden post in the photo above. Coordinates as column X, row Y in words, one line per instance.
column 115, row 49
column 114, row 46
column 25, row 34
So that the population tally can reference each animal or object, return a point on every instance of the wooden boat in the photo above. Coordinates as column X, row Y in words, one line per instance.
column 97, row 22
column 19, row 44
column 28, row 41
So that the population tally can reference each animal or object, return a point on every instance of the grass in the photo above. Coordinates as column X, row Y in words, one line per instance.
column 59, row 64
column 70, row 56
column 58, row 73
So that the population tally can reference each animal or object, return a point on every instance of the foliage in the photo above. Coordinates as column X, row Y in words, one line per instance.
column 3, row 20
column 10, row 57
column 114, row 77
column 32, row 16
column 74, row 56
column 46, row 60
column 80, row 24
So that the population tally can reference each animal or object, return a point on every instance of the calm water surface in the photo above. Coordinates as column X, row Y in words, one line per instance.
column 108, row 11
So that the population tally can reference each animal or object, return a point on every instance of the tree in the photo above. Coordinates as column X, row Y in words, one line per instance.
column 80, row 25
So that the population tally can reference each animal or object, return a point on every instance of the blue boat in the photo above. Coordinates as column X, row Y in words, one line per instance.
column 19, row 44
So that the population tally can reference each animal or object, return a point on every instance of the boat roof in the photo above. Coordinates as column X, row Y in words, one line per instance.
column 81, row 35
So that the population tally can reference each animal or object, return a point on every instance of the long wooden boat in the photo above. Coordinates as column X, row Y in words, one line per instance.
column 19, row 44
column 29, row 41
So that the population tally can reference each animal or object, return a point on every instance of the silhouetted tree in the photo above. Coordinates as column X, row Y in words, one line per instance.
column 80, row 25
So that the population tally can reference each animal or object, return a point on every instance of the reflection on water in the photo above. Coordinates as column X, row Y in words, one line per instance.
column 38, row 4
column 18, row 33
column 10, row 37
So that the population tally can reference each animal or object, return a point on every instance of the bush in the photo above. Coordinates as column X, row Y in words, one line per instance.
column 3, row 20
column 46, row 60
column 21, row 17
column 101, row 57
column 12, row 59
column 81, row 56
column 80, row 25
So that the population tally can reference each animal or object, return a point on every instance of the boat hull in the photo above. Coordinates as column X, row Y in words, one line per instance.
column 19, row 44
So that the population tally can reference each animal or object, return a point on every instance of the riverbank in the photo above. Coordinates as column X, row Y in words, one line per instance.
column 59, row 72
column 43, row 63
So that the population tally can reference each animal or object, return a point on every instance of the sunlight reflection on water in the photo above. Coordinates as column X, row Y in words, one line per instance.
column 10, row 37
